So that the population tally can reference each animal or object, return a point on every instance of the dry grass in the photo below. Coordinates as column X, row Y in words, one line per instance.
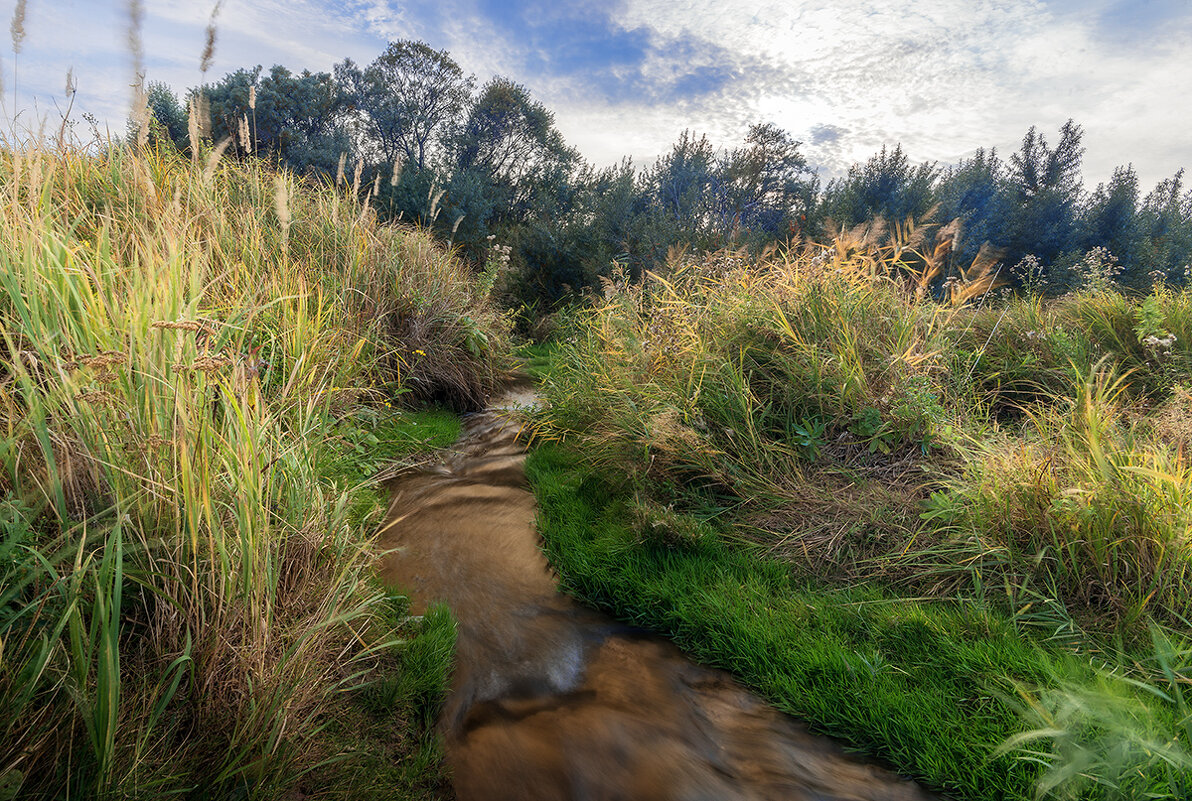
column 844, row 417
column 183, row 592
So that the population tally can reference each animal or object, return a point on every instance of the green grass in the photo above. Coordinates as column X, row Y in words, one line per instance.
column 537, row 358
column 387, row 726
column 199, row 370
column 979, row 473
column 931, row 687
column 916, row 684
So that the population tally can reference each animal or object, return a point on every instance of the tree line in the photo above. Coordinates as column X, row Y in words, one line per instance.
column 485, row 163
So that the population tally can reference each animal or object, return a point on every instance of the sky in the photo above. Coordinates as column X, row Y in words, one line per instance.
column 625, row 77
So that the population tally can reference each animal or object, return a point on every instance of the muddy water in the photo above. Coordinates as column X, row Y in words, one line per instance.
column 551, row 700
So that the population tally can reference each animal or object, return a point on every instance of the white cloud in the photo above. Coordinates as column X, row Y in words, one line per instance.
column 946, row 76
column 940, row 76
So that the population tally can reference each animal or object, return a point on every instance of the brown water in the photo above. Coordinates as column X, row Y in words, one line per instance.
column 551, row 700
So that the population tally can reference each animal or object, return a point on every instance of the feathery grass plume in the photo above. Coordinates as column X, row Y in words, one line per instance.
column 252, row 106
column 213, row 160
column 454, row 228
column 209, row 40
column 192, row 129
column 979, row 278
column 356, row 178
column 17, row 30
column 245, row 135
column 203, row 113
column 433, row 213
column 140, row 111
column 136, row 18
column 17, row 27
column 396, row 171
column 340, row 167
column 281, row 204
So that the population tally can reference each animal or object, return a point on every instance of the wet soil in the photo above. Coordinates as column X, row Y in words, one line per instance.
column 551, row 700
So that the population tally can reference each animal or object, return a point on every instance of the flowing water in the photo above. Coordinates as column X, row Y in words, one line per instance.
column 551, row 700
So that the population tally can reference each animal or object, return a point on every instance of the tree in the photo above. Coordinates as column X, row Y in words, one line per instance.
column 976, row 192
column 509, row 142
column 766, row 186
column 1165, row 223
column 406, row 99
column 885, row 186
column 681, row 183
column 168, row 117
column 1110, row 220
column 299, row 118
column 1045, row 187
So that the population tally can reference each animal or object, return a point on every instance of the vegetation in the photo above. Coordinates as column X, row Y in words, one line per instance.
column 482, row 163
column 926, row 486
column 862, row 500
column 202, row 365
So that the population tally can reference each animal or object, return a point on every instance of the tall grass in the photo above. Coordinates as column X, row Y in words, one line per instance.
column 184, row 592
column 839, row 410
column 825, row 392
column 1082, row 505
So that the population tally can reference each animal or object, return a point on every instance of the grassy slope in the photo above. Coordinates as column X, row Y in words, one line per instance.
column 793, row 400
column 199, row 366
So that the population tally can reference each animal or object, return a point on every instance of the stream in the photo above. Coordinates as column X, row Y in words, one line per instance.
column 552, row 700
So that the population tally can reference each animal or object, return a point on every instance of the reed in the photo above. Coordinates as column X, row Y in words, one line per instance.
column 186, row 592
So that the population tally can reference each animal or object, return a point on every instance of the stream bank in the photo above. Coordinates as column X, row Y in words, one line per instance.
column 550, row 699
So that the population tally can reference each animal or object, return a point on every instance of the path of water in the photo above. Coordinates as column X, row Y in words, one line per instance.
column 551, row 700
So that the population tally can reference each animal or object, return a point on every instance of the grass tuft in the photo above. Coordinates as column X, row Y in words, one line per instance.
column 201, row 368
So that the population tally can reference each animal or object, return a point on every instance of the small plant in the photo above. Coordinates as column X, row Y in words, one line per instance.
column 872, row 429
column 808, row 435
column 1098, row 270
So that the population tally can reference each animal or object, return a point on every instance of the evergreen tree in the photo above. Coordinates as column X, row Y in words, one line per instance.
column 1165, row 223
column 975, row 191
column 886, row 186
column 168, row 117
column 1045, row 187
column 1110, row 221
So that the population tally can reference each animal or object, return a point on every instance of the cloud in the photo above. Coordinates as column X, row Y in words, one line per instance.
column 942, row 77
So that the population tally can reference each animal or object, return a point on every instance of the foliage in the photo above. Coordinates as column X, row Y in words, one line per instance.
column 297, row 119
column 1023, row 455
column 409, row 129
column 885, row 186
column 821, row 391
column 185, row 568
column 916, row 682
column 405, row 101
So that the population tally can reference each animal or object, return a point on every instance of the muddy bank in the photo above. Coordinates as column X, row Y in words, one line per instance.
column 551, row 700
